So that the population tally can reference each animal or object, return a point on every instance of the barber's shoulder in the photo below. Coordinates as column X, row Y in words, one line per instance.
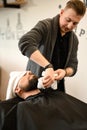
column 46, row 21
column 74, row 36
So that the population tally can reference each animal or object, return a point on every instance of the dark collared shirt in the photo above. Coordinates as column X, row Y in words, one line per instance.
column 60, row 51
column 60, row 54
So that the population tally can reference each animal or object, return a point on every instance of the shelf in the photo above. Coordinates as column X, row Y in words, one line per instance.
column 15, row 4
column 19, row 2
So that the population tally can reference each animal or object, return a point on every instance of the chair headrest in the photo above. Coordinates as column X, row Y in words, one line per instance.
column 15, row 76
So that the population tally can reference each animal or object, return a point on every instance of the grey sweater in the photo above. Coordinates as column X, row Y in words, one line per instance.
column 43, row 37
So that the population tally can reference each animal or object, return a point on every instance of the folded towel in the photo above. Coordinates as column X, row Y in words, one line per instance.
column 15, row 76
column 40, row 82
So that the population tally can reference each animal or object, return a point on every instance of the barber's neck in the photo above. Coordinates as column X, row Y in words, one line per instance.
column 24, row 95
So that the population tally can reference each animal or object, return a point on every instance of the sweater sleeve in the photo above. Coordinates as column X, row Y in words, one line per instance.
column 30, row 41
column 73, row 59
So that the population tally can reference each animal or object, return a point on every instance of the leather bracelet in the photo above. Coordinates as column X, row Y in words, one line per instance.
column 48, row 66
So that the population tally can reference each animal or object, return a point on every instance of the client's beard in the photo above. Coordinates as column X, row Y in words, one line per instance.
column 32, row 84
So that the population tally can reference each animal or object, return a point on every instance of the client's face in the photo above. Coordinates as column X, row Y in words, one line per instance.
column 28, row 81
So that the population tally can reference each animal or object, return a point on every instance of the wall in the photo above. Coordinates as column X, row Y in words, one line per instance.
column 15, row 22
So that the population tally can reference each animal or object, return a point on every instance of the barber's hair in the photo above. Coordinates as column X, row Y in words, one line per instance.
column 77, row 5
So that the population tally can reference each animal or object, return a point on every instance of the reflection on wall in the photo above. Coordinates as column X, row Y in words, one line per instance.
column 9, row 34
column 19, row 27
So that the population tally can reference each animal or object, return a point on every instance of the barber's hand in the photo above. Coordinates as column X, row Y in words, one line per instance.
column 60, row 74
column 49, row 78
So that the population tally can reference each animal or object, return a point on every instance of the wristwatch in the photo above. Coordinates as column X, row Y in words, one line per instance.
column 48, row 66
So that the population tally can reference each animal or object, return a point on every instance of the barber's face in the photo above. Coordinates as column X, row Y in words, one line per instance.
column 68, row 20
column 28, row 81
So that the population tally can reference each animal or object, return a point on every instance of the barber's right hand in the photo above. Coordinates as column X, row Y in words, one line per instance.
column 48, row 78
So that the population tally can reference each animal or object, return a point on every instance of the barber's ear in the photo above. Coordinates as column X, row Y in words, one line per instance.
column 61, row 12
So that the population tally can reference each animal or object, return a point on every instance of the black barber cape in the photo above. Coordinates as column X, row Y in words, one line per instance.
column 8, row 112
column 52, row 110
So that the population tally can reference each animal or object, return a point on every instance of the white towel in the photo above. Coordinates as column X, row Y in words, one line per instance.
column 40, row 82
column 15, row 76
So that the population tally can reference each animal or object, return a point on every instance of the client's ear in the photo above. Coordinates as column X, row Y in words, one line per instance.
column 18, row 90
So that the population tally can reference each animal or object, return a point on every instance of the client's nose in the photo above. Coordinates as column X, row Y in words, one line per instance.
column 29, row 72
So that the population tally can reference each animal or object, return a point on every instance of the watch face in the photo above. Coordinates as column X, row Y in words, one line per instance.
column 85, row 1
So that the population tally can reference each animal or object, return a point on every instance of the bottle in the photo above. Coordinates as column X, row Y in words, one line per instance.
column 19, row 27
column 8, row 30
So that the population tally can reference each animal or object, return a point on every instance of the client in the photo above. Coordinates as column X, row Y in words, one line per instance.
column 42, row 109
column 22, row 86
column 48, row 109
column 25, row 83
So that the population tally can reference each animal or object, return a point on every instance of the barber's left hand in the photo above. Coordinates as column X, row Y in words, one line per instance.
column 60, row 74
